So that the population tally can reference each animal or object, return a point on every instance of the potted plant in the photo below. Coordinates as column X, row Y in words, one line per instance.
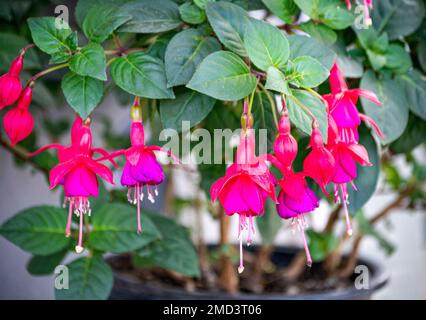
column 319, row 99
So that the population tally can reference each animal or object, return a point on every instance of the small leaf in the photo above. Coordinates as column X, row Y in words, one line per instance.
column 151, row 16
column 185, row 52
column 90, row 61
column 266, row 45
column 82, row 93
column 320, row 32
column 308, row 72
column 102, row 20
column 38, row 230
column 188, row 106
column 114, row 229
column 191, row 13
column 223, row 75
column 301, row 119
column 47, row 37
column 334, row 15
column 229, row 22
column 392, row 117
column 141, row 75
column 276, row 81
column 321, row 244
column 45, row 265
column 413, row 85
column 90, row 278
column 283, row 9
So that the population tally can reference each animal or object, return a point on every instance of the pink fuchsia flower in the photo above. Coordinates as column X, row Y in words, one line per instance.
column 245, row 187
column 10, row 84
column 78, row 172
column 18, row 122
column 342, row 107
column 285, row 146
column 319, row 164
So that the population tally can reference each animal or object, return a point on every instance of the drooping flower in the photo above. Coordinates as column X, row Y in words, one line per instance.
column 10, row 84
column 285, row 146
column 78, row 172
column 319, row 164
column 19, row 122
column 294, row 200
column 245, row 187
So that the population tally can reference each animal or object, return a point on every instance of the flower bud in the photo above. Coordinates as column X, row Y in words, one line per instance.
column 10, row 84
column 285, row 146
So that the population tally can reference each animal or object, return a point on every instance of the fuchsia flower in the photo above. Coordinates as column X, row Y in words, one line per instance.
column 285, row 146
column 245, row 187
column 10, row 84
column 319, row 164
column 344, row 120
column 18, row 122
column 78, row 172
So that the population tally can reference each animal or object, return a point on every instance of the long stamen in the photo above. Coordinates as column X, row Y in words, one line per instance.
column 79, row 248
column 349, row 230
column 138, row 188
column 305, row 243
column 241, row 266
column 68, row 228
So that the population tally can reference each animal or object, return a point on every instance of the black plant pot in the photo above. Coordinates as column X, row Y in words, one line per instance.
column 128, row 287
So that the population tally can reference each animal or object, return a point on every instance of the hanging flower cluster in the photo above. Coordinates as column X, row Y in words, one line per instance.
column 248, row 182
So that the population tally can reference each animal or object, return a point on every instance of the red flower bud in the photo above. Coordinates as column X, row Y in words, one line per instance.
column 285, row 146
column 18, row 122
column 10, row 84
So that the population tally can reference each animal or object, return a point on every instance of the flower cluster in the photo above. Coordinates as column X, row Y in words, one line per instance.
column 248, row 182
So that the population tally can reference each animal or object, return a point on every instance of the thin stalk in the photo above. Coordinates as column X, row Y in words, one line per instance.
column 49, row 70
column 271, row 102
column 316, row 94
column 300, row 104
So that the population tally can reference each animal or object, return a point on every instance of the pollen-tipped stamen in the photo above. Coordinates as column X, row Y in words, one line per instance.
column 301, row 226
column 79, row 247
column 345, row 197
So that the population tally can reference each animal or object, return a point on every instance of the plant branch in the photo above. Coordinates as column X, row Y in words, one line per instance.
column 46, row 71
column 271, row 102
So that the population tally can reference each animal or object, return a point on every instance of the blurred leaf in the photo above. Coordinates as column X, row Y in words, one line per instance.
column 10, row 45
column 397, row 59
column 321, row 244
column 283, row 9
column 269, row 224
column 413, row 85
column 45, row 265
column 191, row 13
column 413, row 135
column 263, row 118
column 320, row 32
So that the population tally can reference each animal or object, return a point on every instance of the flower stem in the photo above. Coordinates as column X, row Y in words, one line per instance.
column 271, row 102
column 300, row 104
column 49, row 70
column 316, row 94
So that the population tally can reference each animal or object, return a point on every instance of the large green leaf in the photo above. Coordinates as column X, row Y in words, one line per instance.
column 305, row 46
column 301, row 119
column 102, row 20
column 90, row 278
column 413, row 85
column 398, row 18
column 90, row 61
column 229, row 22
column 114, row 229
column 188, row 106
column 83, row 7
column 307, row 72
column 141, row 75
column 191, row 13
column 367, row 177
column 175, row 250
column 266, row 45
column 392, row 117
column 283, row 9
column 47, row 37
column 10, row 44
column 185, row 52
column 151, row 16
column 413, row 135
column 223, row 75
column 82, row 93
column 38, row 230
column 44, row 265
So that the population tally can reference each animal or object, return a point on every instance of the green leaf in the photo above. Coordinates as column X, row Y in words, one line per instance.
column 115, row 229
column 283, row 9
column 320, row 32
column 333, row 14
column 141, row 75
column 269, row 224
column 263, row 118
column 276, row 81
column 10, row 44
column 38, row 230
column 151, row 16
column 413, row 135
column 398, row 18
column 90, row 278
column 307, row 72
column 47, row 37
column 45, row 265
column 305, row 46
column 191, row 13
column 223, row 75
column 102, row 20
column 367, row 176
column 188, row 106
column 175, row 250
column 310, row 8
column 393, row 115
column 82, row 93
column 229, row 22
column 185, row 52
column 421, row 53
column 377, row 60
column 351, row 68
column 202, row 3
column 301, row 119
column 266, row 45
column 83, row 7
column 413, row 84
column 90, row 61
column 321, row 244
column 158, row 48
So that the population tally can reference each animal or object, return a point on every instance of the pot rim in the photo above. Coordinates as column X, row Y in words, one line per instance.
column 378, row 278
